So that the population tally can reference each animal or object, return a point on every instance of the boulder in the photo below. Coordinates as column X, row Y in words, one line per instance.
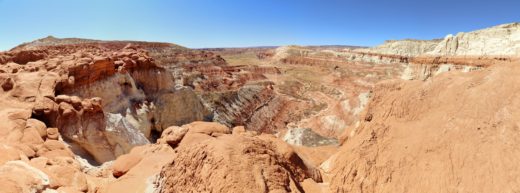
column 54, row 148
column 53, row 133
column 20, row 177
column 124, row 163
column 173, row 135
column 38, row 126
column 9, row 153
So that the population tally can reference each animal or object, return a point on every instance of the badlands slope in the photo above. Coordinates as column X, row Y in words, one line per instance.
column 123, row 116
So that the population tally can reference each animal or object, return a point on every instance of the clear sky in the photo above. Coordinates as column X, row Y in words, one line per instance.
column 238, row 23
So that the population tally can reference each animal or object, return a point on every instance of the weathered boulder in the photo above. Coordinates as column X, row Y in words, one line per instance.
column 173, row 135
column 20, row 177
column 124, row 163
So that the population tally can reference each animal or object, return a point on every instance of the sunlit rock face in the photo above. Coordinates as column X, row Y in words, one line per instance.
column 406, row 47
column 178, row 107
column 138, row 88
column 101, row 96
column 501, row 40
column 451, row 117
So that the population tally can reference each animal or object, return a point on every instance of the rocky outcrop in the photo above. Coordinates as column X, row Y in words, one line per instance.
column 83, row 122
column 31, row 82
column 392, row 52
column 137, row 170
column 236, row 108
column 501, row 40
column 179, row 107
column 27, row 178
column 143, row 98
column 286, row 51
column 467, row 51
column 151, row 87
column 435, row 136
column 33, row 157
column 255, row 164
column 406, row 47
column 470, row 50
column 101, row 100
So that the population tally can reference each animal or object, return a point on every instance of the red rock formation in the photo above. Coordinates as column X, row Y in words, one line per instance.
column 274, row 164
column 442, row 135
column 233, row 163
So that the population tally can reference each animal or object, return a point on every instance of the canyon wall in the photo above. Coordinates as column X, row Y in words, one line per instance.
column 152, row 86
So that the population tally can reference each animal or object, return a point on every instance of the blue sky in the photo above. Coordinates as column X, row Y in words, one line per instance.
column 238, row 23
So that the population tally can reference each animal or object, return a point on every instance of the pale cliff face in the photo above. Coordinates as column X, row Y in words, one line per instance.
column 499, row 40
column 405, row 47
